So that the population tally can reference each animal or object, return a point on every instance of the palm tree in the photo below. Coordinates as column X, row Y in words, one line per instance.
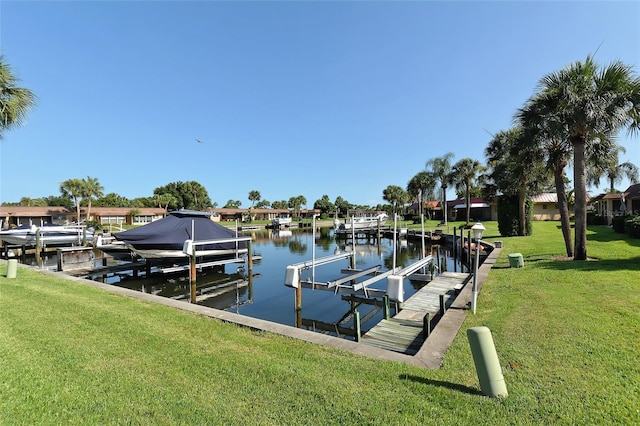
column 73, row 188
column 254, row 196
column 517, row 168
column 608, row 166
column 588, row 101
column 421, row 187
column 465, row 172
column 396, row 196
column 15, row 102
column 92, row 188
column 441, row 170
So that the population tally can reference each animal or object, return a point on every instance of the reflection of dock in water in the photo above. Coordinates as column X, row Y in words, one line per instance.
column 408, row 330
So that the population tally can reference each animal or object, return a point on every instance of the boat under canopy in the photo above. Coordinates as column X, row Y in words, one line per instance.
column 164, row 238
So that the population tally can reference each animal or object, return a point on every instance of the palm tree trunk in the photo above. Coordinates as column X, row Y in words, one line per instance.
column 88, row 209
column 580, row 195
column 77, row 201
column 563, row 206
column 522, row 212
column 444, row 204
column 468, row 203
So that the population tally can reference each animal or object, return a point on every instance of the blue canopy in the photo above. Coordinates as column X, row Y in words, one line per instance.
column 170, row 232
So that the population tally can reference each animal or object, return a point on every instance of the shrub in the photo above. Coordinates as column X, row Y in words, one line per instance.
column 508, row 216
column 632, row 226
column 617, row 223
column 594, row 219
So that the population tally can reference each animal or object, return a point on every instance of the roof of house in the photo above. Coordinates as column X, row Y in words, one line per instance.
column 546, row 197
column 434, row 205
column 461, row 203
column 32, row 210
column 633, row 191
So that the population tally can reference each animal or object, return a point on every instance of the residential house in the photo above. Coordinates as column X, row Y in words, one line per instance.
column 480, row 211
column 11, row 216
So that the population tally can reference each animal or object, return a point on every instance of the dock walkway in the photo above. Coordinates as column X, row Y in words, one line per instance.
column 404, row 332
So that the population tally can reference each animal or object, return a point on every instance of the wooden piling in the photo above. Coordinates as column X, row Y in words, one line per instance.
column 299, row 304
column 386, row 312
column 357, row 325
column 469, row 250
column 455, row 260
column 192, row 275
column 426, row 325
column 443, row 309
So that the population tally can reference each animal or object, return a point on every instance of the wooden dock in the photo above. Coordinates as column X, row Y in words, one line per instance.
column 404, row 332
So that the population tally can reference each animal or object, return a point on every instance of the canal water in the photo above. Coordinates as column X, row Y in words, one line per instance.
column 268, row 298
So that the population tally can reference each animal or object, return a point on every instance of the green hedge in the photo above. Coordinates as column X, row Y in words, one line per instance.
column 617, row 223
column 508, row 216
column 632, row 226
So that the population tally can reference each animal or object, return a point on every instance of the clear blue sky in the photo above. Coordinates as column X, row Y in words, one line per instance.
column 288, row 98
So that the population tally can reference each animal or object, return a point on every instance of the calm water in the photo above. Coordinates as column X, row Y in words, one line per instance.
column 268, row 298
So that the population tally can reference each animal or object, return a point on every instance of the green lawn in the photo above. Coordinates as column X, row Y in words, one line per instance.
column 567, row 334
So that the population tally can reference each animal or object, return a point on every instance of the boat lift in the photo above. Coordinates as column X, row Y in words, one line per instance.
column 346, row 284
column 190, row 249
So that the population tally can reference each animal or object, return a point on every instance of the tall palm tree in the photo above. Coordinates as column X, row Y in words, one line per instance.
column 553, row 141
column 465, row 173
column 15, row 102
column 73, row 188
column 92, row 188
column 588, row 100
column 441, row 170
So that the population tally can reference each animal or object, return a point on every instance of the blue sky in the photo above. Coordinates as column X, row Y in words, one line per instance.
column 289, row 98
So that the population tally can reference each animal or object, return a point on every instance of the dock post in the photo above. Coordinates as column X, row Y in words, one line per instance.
column 469, row 250
column 39, row 248
column 443, row 309
column 192, row 275
column 455, row 265
column 356, row 320
column 299, row 304
column 426, row 325
column 385, row 301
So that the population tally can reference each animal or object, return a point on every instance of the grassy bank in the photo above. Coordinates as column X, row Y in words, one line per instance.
column 567, row 333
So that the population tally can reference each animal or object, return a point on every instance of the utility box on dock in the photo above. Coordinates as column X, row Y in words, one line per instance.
column 75, row 258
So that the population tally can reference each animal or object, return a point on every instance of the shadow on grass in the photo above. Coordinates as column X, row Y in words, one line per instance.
column 606, row 234
column 592, row 264
column 448, row 385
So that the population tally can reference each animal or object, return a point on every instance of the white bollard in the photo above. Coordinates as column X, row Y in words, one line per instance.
column 12, row 268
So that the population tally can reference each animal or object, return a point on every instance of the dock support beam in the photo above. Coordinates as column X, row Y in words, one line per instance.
column 426, row 325
column 192, row 275
column 356, row 320
column 299, row 305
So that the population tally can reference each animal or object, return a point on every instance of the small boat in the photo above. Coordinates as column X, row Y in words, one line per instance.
column 163, row 239
column 47, row 234
column 279, row 222
column 364, row 221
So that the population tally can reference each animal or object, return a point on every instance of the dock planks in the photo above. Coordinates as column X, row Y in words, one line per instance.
column 404, row 332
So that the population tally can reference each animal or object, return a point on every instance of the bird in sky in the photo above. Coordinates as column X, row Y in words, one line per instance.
column 198, row 140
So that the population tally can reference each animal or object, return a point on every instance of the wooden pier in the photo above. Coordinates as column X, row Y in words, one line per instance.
column 405, row 332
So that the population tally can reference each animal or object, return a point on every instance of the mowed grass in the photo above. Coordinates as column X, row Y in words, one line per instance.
column 567, row 334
